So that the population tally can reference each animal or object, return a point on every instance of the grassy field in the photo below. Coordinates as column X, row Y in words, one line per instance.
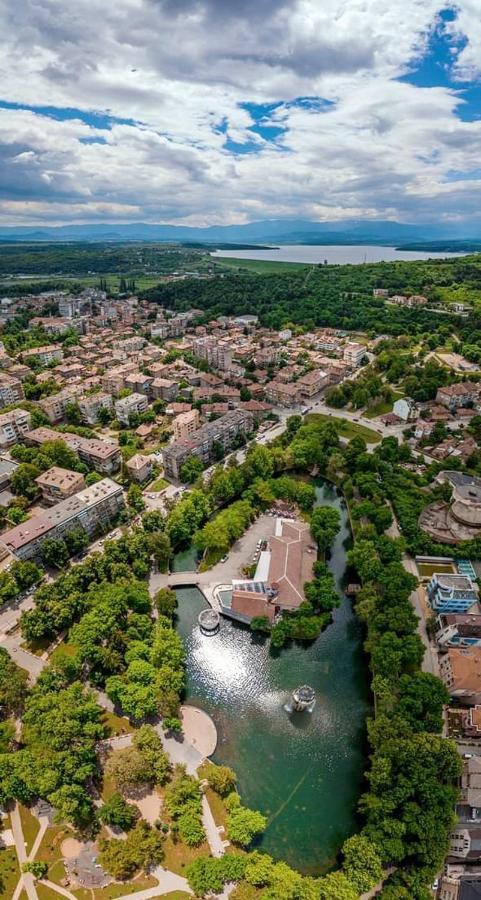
column 30, row 827
column 381, row 408
column 112, row 891
column 116, row 724
column 348, row 429
column 159, row 485
column 9, row 873
column 261, row 266
column 179, row 855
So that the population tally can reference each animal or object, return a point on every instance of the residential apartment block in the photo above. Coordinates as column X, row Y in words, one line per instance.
column 354, row 354
column 218, row 354
column 455, row 395
column 91, row 509
column 44, row 355
column 184, row 425
column 56, row 405
column 57, row 484
column 103, row 456
column 139, row 467
column 202, row 442
column 282, row 394
column 11, row 390
column 129, row 406
column 460, row 669
column 14, row 425
column 91, row 404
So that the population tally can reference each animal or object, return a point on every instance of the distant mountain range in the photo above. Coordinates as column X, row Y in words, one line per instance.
column 279, row 231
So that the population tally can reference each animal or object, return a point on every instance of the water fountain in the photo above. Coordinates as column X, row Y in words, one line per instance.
column 303, row 699
column 209, row 621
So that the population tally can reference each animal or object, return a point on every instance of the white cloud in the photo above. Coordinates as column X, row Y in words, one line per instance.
column 179, row 69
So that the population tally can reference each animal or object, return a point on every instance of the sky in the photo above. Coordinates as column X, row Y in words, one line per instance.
column 206, row 112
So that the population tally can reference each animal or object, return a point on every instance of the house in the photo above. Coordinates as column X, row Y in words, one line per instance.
column 465, row 842
column 405, row 408
column 459, row 630
column 13, row 426
column 460, row 669
column 451, row 593
column 57, row 484
column 92, row 509
column 139, row 467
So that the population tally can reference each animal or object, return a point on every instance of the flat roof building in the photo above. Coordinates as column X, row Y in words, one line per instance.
column 93, row 507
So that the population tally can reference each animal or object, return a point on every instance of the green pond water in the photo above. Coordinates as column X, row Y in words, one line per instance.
column 304, row 771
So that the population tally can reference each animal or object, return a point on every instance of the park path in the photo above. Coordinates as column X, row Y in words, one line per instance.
column 26, row 880
column 168, row 882
column 430, row 661
column 216, row 842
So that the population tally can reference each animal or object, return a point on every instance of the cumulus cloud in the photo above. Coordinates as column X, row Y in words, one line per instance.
column 166, row 94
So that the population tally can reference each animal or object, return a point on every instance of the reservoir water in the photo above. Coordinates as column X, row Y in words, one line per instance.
column 334, row 254
column 304, row 770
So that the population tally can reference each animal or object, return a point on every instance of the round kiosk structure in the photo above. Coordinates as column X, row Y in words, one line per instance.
column 209, row 621
column 303, row 698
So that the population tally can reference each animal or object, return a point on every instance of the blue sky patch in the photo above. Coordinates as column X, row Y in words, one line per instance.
column 435, row 69
column 63, row 114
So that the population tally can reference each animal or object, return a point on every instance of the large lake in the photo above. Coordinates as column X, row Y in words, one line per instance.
column 304, row 771
column 333, row 254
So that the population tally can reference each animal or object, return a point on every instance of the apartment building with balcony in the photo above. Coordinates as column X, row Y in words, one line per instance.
column 203, row 442
column 92, row 509
column 11, row 390
column 44, row 355
column 129, row 406
column 91, row 404
column 101, row 455
column 14, row 425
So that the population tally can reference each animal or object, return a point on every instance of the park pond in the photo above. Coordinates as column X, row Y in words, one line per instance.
column 303, row 771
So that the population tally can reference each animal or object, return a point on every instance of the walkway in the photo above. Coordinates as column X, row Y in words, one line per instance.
column 26, row 880
column 430, row 661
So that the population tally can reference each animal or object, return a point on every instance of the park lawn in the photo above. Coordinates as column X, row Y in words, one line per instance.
column 49, row 850
column 381, row 408
column 347, row 429
column 116, row 724
column 9, row 872
column 30, row 826
column 45, row 892
column 178, row 856
column 141, row 883
column 159, row 485
column 261, row 266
